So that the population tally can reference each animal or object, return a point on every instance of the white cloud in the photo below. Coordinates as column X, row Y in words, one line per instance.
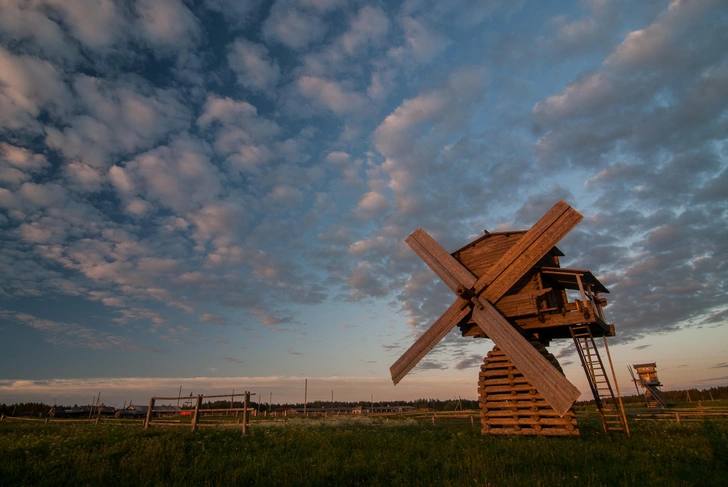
column 292, row 27
column 365, row 282
column 372, row 204
column 83, row 176
column 381, row 84
column 253, row 66
column 222, row 221
column 285, row 195
column 34, row 233
column 178, row 176
column 22, row 158
column 224, row 110
column 393, row 134
column 42, row 195
column 17, row 164
column 362, row 247
column 26, row 21
column 331, row 95
column 96, row 23
column 168, row 23
column 28, row 85
column 578, row 98
column 423, row 43
column 370, row 25
column 231, row 114
column 137, row 207
column 73, row 335
column 661, row 44
column 120, row 179
column 12, row 176
column 239, row 133
column 116, row 117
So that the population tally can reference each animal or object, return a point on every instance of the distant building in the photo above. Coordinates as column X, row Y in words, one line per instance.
column 160, row 411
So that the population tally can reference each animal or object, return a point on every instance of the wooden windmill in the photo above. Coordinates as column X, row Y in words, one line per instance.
column 510, row 288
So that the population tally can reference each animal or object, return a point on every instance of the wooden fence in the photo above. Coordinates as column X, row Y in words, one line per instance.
column 196, row 413
column 678, row 415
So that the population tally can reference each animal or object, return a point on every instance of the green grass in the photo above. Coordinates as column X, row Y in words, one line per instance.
column 359, row 452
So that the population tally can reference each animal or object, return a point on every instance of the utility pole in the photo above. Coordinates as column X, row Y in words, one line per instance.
column 305, row 396
column 270, row 399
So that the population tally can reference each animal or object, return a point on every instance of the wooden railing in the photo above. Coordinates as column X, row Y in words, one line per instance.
column 196, row 413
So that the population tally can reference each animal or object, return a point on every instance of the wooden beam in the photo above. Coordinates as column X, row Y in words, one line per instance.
column 458, row 312
column 452, row 272
column 553, row 386
column 527, row 251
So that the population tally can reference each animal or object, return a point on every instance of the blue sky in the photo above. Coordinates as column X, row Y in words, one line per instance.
column 215, row 194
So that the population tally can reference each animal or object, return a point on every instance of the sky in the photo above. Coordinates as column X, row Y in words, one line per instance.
column 215, row 195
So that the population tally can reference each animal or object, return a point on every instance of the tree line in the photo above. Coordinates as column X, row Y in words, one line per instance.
column 676, row 396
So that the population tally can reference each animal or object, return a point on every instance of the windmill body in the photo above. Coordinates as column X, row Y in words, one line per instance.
column 510, row 288
column 547, row 300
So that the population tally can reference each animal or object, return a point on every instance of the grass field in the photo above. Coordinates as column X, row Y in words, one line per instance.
column 359, row 451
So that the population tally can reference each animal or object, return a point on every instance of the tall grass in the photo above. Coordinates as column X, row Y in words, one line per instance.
column 359, row 452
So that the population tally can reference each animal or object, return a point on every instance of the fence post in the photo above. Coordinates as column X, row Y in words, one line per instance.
column 245, row 413
column 677, row 417
column 149, row 413
column 195, row 415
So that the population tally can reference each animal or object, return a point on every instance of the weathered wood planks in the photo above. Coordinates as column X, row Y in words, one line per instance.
column 554, row 387
column 527, row 251
column 509, row 404
column 440, row 261
column 454, row 315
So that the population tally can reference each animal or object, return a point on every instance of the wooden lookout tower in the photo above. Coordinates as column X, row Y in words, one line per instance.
column 511, row 289
column 647, row 379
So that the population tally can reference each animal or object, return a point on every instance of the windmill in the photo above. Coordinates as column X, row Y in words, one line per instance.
column 509, row 288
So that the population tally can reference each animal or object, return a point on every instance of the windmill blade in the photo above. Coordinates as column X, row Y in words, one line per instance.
column 553, row 386
column 457, row 277
column 527, row 251
column 457, row 313
column 452, row 272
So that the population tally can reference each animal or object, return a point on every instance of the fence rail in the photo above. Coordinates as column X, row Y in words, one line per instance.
column 197, row 413
column 677, row 415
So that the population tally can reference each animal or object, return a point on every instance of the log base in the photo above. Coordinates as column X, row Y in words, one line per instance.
column 510, row 405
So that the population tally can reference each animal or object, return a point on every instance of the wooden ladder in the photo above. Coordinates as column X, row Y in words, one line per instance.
column 658, row 400
column 610, row 407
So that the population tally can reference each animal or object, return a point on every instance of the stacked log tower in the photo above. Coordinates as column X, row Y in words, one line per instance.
column 510, row 405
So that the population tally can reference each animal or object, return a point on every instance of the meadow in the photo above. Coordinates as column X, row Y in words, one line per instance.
column 359, row 451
